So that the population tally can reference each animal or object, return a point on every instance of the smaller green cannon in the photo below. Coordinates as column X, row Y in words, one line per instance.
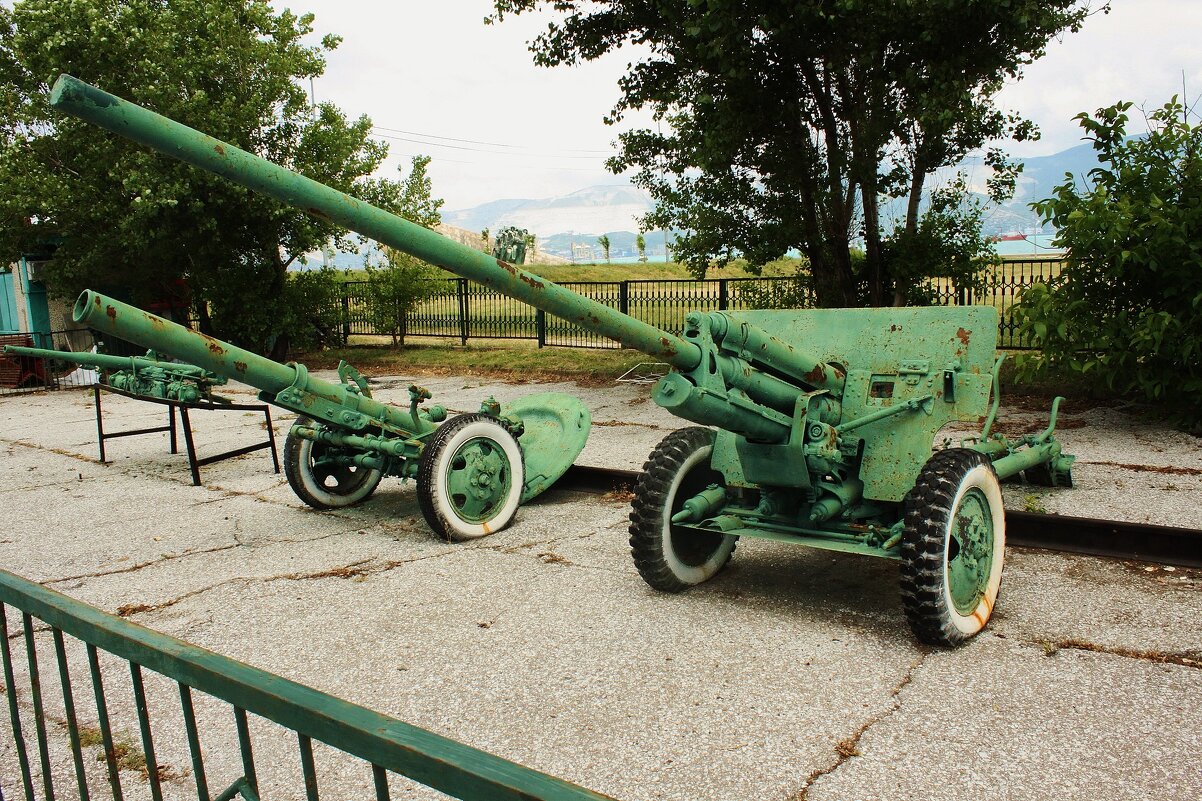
column 472, row 472
column 146, row 375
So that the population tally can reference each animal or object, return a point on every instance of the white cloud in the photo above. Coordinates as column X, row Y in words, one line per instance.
column 435, row 68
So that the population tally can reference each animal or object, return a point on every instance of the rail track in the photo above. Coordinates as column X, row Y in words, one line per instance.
column 1115, row 539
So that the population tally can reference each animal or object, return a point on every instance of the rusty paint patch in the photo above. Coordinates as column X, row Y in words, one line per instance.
column 111, row 313
column 317, row 213
column 220, row 150
column 893, row 328
column 240, row 367
column 816, row 376
column 215, row 347
column 529, row 280
column 964, row 336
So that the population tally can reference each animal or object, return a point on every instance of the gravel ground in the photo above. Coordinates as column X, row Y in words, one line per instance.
column 792, row 675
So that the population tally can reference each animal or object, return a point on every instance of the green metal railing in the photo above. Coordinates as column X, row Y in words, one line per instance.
column 466, row 310
column 385, row 745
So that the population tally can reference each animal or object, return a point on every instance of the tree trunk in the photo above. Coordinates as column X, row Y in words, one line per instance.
column 901, row 287
column 834, row 283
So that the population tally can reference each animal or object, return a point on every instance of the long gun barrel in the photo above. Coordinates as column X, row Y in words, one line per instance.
column 189, row 145
column 289, row 385
column 771, row 373
column 106, row 362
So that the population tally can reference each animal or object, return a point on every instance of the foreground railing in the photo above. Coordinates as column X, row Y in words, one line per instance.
column 387, row 745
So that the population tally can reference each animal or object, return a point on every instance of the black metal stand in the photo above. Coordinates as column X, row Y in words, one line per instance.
column 193, row 463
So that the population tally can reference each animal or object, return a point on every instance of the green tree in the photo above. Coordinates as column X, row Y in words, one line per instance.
column 132, row 221
column 640, row 242
column 943, row 240
column 1126, row 312
column 404, row 282
column 603, row 241
column 787, row 123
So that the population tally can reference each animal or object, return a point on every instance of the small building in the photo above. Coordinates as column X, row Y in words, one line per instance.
column 28, row 310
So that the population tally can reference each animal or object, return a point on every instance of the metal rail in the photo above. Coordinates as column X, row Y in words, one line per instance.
column 385, row 744
column 1168, row 545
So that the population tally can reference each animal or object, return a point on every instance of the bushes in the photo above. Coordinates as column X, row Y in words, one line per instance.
column 1126, row 312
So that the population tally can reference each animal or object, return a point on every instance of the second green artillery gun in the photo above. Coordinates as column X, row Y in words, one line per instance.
column 824, row 419
column 471, row 472
column 147, row 375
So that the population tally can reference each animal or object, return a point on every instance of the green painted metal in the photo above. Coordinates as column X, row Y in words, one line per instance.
column 388, row 744
column 142, row 375
column 552, row 424
column 968, row 568
column 186, row 144
column 825, row 417
column 368, row 433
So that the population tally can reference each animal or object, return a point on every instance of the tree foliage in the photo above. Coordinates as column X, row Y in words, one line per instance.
column 603, row 241
column 398, row 287
column 1126, row 312
column 132, row 221
column 787, row 123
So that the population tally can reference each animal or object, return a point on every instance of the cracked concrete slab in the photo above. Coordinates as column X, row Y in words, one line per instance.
column 791, row 675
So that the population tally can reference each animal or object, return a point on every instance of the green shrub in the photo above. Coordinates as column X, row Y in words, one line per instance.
column 1126, row 312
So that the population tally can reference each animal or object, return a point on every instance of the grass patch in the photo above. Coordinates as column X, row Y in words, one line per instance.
column 649, row 270
column 518, row 361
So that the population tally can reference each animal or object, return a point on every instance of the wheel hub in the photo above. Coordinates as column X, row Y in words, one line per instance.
column 478, row 479
column 970, row 552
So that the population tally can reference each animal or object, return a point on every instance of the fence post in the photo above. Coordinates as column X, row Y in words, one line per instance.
column 346, row 314
column 723, row 295
column 461, row 291
column 540, row 326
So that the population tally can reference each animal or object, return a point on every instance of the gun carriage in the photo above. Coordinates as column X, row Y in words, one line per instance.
column 146, row 375
column 814, row 427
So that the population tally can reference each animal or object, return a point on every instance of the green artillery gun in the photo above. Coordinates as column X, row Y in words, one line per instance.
column 471, row 472
column 146, row 375
column 825, row 419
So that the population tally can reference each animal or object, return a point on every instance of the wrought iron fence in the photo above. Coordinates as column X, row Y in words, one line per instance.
column 465, row 310
column 81, row 744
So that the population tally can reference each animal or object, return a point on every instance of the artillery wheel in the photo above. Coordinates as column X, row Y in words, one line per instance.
column 470, row 478
column 320, row 483
column 670, row 558
column 953, row 547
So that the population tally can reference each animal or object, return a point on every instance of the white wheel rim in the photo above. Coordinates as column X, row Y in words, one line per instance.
column 981, row 478
column 320, row 491
column 459, row 528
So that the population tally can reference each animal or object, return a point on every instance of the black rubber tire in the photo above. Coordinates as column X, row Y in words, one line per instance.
column 353, row 485
column 676, row 470
column 928, row 546
column 439, row 505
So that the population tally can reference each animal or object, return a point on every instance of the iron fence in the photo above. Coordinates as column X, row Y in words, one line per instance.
column 79, row 745
column 464, row 310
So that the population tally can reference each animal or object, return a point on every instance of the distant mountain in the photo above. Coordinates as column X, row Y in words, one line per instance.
column 1039, row 179
column 568, row 225
column 589, row 211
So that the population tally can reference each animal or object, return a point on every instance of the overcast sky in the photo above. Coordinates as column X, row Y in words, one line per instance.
column 434, row 73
